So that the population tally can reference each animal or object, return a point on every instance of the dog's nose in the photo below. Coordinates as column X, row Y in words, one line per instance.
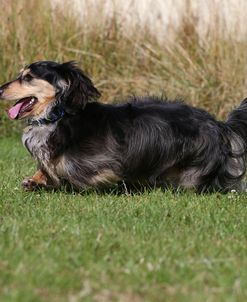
column 2, row 88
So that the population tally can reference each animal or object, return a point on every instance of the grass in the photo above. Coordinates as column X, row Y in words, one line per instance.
column 154, row 246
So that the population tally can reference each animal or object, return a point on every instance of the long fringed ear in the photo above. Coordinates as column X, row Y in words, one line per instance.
column 77, row 88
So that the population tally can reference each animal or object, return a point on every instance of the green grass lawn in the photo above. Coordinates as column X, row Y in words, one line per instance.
column 154, row 246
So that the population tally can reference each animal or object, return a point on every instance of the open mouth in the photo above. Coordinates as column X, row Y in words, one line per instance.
column 22, row 106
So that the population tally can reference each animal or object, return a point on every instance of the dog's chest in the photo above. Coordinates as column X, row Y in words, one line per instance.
column 36, row 141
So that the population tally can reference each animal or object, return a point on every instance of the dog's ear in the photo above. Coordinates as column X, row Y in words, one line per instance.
column 76, row 88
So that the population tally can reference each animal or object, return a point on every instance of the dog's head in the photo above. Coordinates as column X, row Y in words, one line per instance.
column 44, row 85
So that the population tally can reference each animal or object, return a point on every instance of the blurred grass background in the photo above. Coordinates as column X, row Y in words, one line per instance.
column 207, row 71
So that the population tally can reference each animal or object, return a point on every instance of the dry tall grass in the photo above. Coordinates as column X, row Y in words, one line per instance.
column 163, row 17
column 207, row 71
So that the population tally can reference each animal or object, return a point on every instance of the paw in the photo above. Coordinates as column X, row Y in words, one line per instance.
column 29, row 184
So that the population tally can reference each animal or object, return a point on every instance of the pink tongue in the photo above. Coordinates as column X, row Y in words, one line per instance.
column 14, row 111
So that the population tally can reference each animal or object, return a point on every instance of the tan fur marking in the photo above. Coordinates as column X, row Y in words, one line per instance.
column 38, row 88
column 104, row 177
column 25, row 72
column 42, row 90
column 16, row 90
column 60, row 165
column 40, row 106
column 22, row 69
column 39, row 178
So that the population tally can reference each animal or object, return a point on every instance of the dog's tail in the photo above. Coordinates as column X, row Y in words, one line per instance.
column 237, row 121
column 234, row 149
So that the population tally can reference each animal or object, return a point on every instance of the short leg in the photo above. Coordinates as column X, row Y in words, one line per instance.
column 37, row 181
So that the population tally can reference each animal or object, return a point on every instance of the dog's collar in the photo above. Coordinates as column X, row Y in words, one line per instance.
column 55, row 115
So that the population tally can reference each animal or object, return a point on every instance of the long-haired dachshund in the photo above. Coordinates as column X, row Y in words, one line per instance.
column 147, row 140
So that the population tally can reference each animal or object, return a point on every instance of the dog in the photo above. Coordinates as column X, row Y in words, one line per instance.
column 146, row 140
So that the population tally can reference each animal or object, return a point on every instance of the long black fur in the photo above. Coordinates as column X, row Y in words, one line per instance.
column 147, row 140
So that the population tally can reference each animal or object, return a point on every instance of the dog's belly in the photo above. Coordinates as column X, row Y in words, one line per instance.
column 83, row 173
column 76, row 169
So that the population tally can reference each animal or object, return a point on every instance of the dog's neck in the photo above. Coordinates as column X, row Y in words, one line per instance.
column 56, row 114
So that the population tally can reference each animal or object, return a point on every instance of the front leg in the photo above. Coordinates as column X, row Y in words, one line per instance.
column 38, row 181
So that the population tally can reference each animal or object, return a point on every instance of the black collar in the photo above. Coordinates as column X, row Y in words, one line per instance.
column 56, row 114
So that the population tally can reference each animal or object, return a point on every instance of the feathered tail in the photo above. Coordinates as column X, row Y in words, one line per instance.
column 237, row 121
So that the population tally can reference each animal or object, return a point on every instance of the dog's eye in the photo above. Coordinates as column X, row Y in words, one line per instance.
column 27, row 78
